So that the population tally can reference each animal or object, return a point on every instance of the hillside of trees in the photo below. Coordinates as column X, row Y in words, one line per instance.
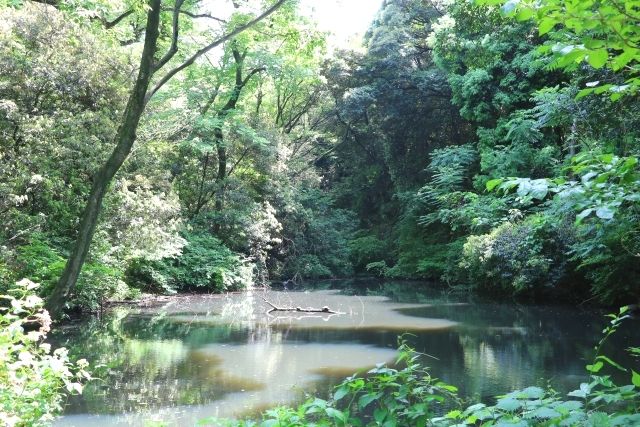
column 465, row 144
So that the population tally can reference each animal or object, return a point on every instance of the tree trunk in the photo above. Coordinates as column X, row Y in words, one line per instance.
column 218, row 133
column 126, row 135
column 221, row 176
column 124, row 140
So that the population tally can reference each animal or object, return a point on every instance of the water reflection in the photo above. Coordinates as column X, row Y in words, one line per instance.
column 202, row 356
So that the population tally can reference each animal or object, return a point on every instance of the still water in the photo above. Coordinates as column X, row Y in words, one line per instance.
column 198, row 357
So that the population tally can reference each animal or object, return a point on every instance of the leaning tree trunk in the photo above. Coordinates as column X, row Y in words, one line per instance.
column 126, row 135
column 124, row 140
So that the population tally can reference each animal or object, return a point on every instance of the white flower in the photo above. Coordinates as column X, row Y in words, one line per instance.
column 36, row 179
column 32, row 301
column 27, row 284
column 33, row 335
column 25, row 356
column 57, row 366
column 10, row 421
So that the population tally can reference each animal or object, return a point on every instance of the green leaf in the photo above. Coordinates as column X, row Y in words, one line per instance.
column 606, row 158
column 532, row 393
column 546, row 25
column 635, row 378
column 604, row 212
column 623, row 59
column 341, row 392
column 509, row 404
column 545, row 413
column 595, row 367
column 611, row 362
column 379, row 415
column 582, row 215
column 367, row 399
column 569, row 405
column 452, row 415
column 602, row 89
column 524, row 14
column 334, row 413
column 577, row 393
column 491, row 184
column 597, row 58
column 584, row 92
column 539, row 189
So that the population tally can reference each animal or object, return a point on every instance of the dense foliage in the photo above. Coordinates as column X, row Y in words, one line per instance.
column 490, row 146
column 220, row 193
column 484, row 146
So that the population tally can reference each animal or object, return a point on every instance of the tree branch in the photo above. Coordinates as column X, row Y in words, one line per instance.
column 174, row 37
column 210, row 46
column 202, row 15
column 253, row 73
column 240, row 159
column 110, row 24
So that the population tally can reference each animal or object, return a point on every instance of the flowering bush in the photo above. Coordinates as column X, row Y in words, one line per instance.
column 33, row 379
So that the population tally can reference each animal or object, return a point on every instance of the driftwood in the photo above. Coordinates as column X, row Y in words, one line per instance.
column 324, row 309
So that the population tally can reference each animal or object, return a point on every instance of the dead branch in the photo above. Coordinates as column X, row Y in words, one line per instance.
column 324, row 309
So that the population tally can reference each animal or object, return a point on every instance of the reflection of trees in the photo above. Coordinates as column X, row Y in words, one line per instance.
column 146, row 364
column 506, row 346
column 150, row 359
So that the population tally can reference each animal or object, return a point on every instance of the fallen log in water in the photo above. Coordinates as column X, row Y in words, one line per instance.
column 324, row 309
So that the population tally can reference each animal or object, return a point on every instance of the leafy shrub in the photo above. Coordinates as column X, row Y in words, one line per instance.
column 428, row 260
column 6, row 274
column 33, row 380
column 40, row 262
column 466, row 211
column 97, row 284
column 365, row 249
column 525, row 256
column 205, row 264
column 608, row 254
column 317, row 238
column 379, row 268
column 149, row 276
column 603, row 242
column 308, row 266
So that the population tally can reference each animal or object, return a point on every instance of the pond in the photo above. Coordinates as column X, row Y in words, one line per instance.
column 196, row 357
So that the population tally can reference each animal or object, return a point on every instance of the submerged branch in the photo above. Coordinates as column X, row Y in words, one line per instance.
column 324, row 309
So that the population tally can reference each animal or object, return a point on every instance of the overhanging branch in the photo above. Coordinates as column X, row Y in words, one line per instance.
column 212, row 45
column 174, row 37
column 202, row 15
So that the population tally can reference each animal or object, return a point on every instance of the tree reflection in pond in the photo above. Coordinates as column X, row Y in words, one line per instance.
column 223, row 355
